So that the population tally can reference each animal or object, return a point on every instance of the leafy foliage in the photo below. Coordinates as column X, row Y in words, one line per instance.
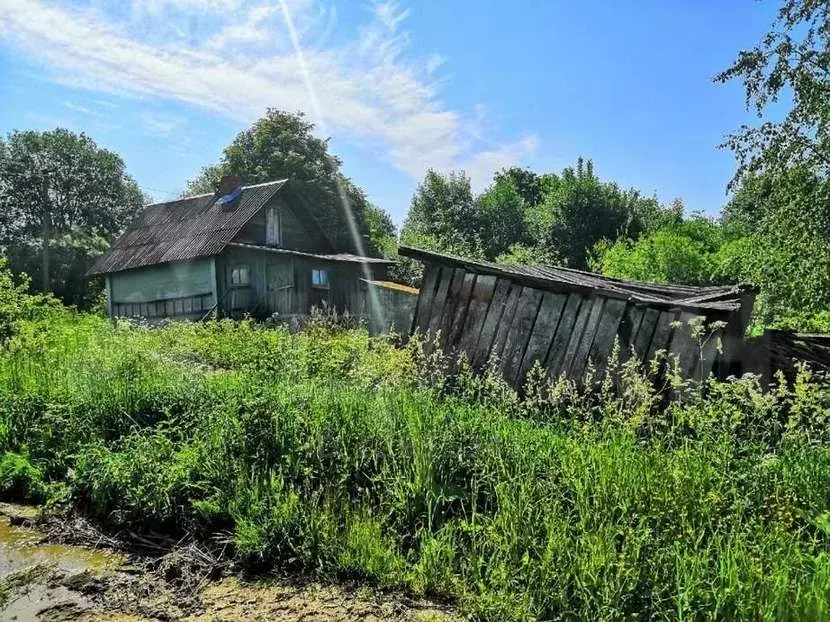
column 282, row 145
column 792, row 61
column 61, row 199
column 327, row 451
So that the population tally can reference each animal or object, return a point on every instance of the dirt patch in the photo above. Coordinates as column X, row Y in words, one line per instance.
column 41, row 579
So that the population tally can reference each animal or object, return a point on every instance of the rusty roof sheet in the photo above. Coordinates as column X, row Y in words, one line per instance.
column 183, row 229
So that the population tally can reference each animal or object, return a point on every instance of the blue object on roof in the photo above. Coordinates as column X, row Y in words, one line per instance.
column 230, row 197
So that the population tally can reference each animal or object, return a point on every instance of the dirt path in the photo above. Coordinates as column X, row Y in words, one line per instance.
column 43, row 581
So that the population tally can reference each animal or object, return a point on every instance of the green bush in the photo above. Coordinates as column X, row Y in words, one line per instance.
column 331, row 452
column 20, row 480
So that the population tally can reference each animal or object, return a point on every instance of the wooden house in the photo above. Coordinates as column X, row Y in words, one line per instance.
column 254, row 249
column 564, row 318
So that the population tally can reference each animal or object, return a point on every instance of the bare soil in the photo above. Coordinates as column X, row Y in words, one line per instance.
column 44, row 578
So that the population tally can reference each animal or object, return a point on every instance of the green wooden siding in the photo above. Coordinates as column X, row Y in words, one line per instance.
column 163, row 282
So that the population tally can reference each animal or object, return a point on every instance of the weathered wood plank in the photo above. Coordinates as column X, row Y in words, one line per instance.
column 480, row 297
column 450, row 303
column 580, row 357
column 612, row 315
column 646, row 331
column 627, row 331
column 437, row 307
column 527, row 308
column 420, row 321
column 495, row 311
column 564, row 331
column 710, row 353
column 662, row 334
column 506, row 320
column 461, row 309
column 544, row 330
column 683, row 347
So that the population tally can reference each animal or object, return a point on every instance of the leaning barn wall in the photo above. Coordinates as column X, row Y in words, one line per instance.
column 483, row 316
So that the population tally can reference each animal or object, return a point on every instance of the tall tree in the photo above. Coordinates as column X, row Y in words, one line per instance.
column 579, row 210
column 282, row 145
column 61, row 197
column 443, row 216
column 500, row 214
column 792, row 61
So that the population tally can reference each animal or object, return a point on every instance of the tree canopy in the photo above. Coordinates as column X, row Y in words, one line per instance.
column 792, row 62
column 62, row 197
column 282, row 145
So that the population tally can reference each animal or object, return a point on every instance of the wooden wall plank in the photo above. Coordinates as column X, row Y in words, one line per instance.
column 452, row 301
column 627, row 331
column 495, row 311
column 662, row 334
column 437, row 307
column 506, row 322
column 580, row 358
column 711, row 355
column 544, row 330
column 683, row 346
column 480, row 298
column 521, row 326
column 646, row 331
column 420, row 321
column 612, row 316
column 564, row 331
column 461, row 309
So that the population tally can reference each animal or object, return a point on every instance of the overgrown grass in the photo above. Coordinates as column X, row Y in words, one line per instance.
column 329, row 452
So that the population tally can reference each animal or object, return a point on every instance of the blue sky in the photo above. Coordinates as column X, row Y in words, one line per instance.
column 473, row 85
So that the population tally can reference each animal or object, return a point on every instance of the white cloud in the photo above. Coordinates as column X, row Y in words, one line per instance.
column 434, row 61
column 237, row 59
column 159, row 124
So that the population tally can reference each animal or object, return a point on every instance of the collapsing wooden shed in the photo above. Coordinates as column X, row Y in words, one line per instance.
column 564, row 318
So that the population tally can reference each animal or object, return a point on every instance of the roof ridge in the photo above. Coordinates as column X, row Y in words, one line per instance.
column 210, row 194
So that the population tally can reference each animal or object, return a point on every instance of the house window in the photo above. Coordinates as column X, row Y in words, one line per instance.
column 241, row 276
column 272, row 226
column 320, row 278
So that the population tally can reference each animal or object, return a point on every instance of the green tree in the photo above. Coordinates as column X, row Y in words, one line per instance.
column 579, row 210
column 792, row 61
column 787, row 255
column 61, row 198
column 688, row 252
column 282, row 145
column 443, row 216
column 500, row 216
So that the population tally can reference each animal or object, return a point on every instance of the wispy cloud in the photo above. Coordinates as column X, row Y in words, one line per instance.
column 237, row 59
column 159, row 124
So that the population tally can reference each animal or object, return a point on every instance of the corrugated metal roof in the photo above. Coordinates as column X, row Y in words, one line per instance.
column 346, row 257
column 183, row 229
column 727, row 298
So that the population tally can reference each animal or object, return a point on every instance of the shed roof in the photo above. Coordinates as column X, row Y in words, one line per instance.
column 186, row 228
column 720, row 298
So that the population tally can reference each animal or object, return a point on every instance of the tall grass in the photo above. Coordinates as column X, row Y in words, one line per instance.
column 330, row 452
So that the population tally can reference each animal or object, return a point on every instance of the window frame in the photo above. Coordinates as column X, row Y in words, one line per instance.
column 322, row 285
column 237, row 269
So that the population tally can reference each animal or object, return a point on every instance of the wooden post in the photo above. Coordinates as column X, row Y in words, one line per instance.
column 215, row 285
column 110, row 305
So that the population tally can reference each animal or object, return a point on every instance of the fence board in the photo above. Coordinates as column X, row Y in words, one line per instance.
column 564, row 331
column 480, row 298
column 662, row 333
column 527, row 308
column 643, row 339
column 544, row 330
column 506, row 321
column 601, row 349
column 437, row 306
column 461, row 309
column 580, row 357
column 495, row 311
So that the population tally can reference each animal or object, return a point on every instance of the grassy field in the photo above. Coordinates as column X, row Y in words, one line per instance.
column 331, row 453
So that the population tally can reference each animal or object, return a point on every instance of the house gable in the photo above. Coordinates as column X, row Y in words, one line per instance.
column 291, row 228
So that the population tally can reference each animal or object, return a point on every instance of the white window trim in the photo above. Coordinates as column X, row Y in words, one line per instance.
column 273, row 224
column 240, row 267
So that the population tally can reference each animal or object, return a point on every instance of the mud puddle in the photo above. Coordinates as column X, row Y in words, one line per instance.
column 43, row 581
